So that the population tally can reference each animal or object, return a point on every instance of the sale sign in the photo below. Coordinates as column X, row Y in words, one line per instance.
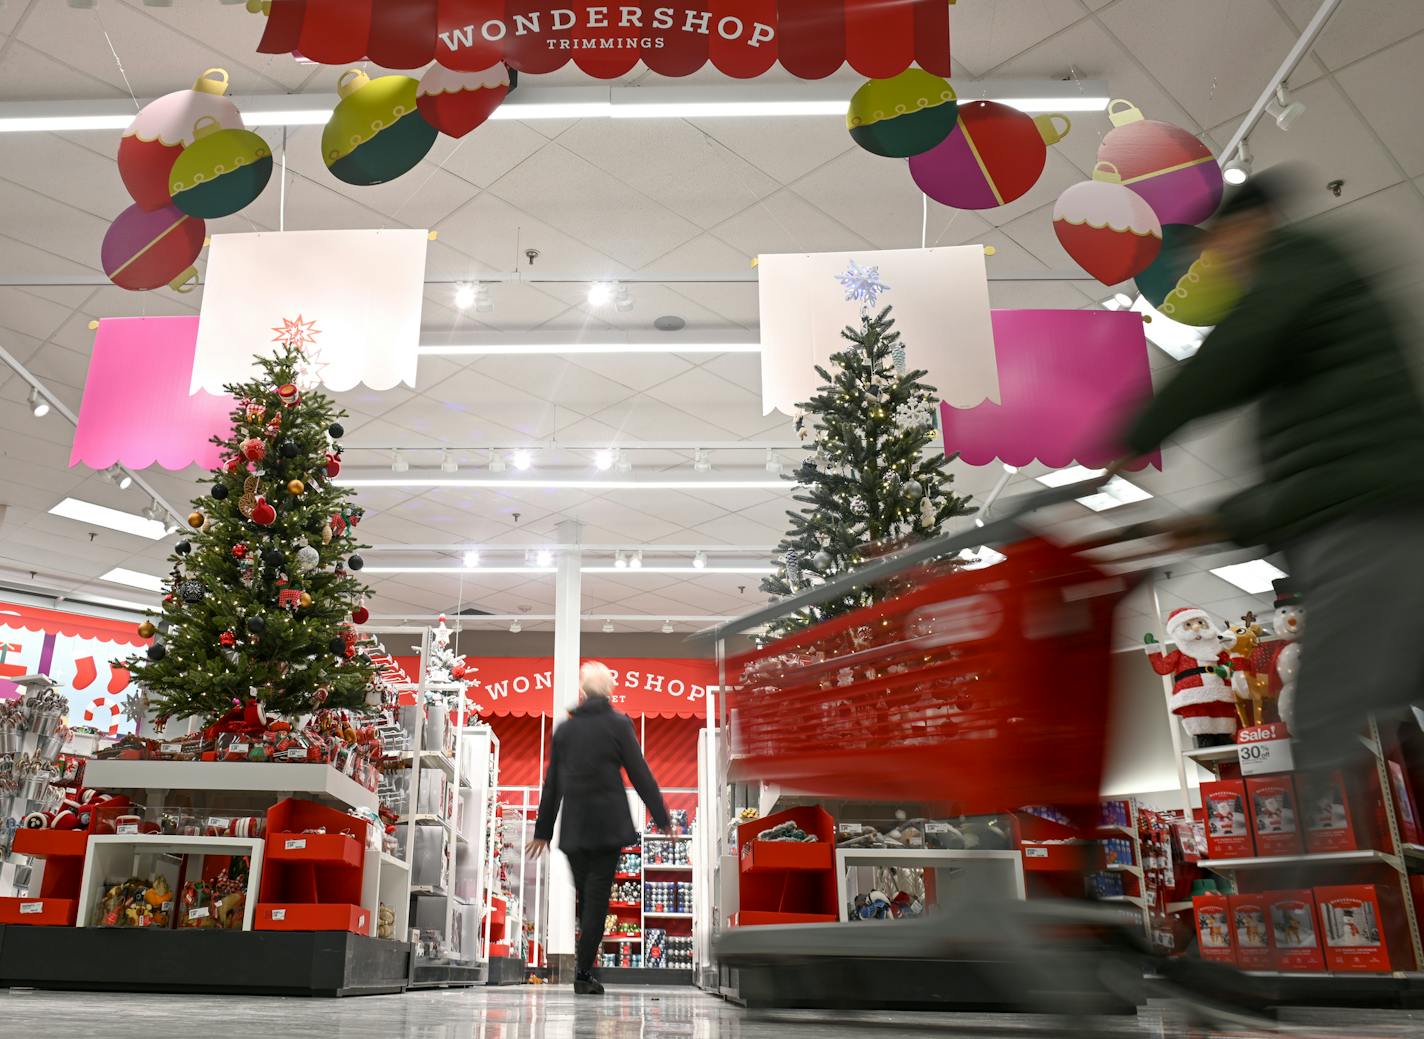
column 606, row 38
column 1264, row 749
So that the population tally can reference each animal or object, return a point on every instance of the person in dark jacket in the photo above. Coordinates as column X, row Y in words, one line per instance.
column 1315, row 343
column 591, row 751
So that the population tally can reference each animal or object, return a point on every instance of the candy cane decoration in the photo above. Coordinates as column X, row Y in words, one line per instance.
column 104, row 708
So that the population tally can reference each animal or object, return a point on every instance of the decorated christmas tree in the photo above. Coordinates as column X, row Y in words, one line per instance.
column 867, row 484
column 262, row 603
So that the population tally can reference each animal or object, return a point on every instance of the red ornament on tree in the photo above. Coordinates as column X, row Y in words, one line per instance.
column 360, row 615
column 227, row 639
column 333, row 465
column 263, row 514
column 239, row 551
column 253, row 449
column 288, row 394
column 233, row 465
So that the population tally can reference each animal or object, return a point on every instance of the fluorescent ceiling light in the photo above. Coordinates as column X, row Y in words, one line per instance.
column 545, row 569
column 1173, row 338
column 521, row 349
column 114, row 519
column 981, row 558
column 1073, row 474
column 538, row 483
column 680, row 570
column 1115, row 492
column 134, row 579
column 1254, row 576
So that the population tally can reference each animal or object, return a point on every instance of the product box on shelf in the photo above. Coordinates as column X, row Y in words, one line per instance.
column 1405, row 809
column 1295, row 940
column 1325, row 806
column 1214, row 931
column 1251, row 929
column 1355, row 923
column 1274, row 816
column 1228, row 823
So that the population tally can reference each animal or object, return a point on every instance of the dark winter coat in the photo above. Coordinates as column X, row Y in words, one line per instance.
column 1341, row 420
column 585, row 779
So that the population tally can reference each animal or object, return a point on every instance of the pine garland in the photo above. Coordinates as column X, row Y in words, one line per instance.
column 866, row 483
column 224, row 636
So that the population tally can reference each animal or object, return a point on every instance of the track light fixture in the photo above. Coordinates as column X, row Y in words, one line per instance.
column 116, row 476
column 1283, row 110
column 154, row 511
column 600, row 294
column 464, row 295
column 522, row 459
column 667, row 627
column 773, row 464
column 399, row 463
column 701, row 461
column 700, row 560
column 620, row 560
column 635, row 561
column 621, row 461
column 515, row 628
column 1239, row 168
column 39, row 407
column 544, row 558
column 472, row 558
column 603, row 459
column 622, row 298
column 447, row 462
column 607, row 627
column 496, row 462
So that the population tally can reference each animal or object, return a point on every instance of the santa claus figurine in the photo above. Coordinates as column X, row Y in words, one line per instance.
column 1200, row 696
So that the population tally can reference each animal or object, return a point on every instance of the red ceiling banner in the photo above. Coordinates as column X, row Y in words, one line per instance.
column 524, row 686
column 606, row 38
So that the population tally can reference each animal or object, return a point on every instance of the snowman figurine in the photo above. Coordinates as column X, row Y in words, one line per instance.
column 1289, row 624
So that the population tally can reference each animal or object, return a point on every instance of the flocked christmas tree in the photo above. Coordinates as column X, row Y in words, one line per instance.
column 867, row 483
column 262, row 603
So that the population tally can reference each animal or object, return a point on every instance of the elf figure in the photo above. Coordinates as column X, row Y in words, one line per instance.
column 1200, row 696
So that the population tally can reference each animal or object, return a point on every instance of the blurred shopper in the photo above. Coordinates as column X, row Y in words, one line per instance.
column 585, row 777
column 1315, row 342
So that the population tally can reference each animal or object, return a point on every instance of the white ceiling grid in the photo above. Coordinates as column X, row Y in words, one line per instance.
column 605, row 198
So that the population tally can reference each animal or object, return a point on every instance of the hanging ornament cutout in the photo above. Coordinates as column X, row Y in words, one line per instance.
column 1169, row 167
column 377, row 132
column 993, row 156
column 1108, row 229
column 159, row 133
column 248, row 501
column 457, row 102
column 903, row 115
column 221, row 172
column 263, row 514
column 148, row 249
column 1186, row 283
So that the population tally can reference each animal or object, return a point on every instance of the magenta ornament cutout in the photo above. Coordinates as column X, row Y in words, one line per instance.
column 136, row 409
column 1070, row 381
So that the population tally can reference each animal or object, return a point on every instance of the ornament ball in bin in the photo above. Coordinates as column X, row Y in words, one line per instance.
column 457, row 102
column 1187, row 284
column 377, row 132
column 1173, row 171
column 903, row 115
column 220, row 172
column 1107, row 228
column 161, row 131
column 150, row 249
column 993, row 156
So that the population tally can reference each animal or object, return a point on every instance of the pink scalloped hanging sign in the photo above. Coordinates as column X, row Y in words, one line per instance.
column 136, row 409
column 1069, row 381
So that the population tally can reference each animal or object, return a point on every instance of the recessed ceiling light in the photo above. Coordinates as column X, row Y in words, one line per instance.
column 1254, row 576
column 1173, row 338
column 134, row 579
column 1115, row 492
column 1073, row 474
column 38, row 406
column 114, row 519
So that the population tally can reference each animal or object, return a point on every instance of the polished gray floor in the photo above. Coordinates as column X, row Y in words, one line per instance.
column 506, row 1013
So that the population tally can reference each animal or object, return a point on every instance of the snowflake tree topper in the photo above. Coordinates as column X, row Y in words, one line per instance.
column 862, row 285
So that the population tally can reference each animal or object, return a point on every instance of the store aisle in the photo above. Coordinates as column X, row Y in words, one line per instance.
column 505, row 1013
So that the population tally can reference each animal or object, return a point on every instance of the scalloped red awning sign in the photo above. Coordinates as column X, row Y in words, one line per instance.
column 606, row 38
column 524, row 686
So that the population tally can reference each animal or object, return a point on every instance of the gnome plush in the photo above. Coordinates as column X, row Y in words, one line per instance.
column 1200, row 696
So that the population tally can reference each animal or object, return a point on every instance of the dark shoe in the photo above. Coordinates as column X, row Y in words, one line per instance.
column 585, row 984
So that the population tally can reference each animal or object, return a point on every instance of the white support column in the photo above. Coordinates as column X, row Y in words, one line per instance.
column 568, row 624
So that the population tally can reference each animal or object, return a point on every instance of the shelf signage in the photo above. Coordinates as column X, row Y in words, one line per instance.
column 1264, row 749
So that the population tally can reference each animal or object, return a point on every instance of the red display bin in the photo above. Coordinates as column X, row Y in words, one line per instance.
column 56, row 904
column 783, row 882
column 311, row 881
column 754, row 918
column 779, row 856
column 39, row 912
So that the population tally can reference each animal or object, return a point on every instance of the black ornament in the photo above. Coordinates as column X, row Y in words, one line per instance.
column 191, row 591
column 336, row 430
column 273, row 557
column 337, row 646
column 256, row 625
column 219, row 491
column 356, row 562
column 290, row 449
column 182, row 548
column 157, row 651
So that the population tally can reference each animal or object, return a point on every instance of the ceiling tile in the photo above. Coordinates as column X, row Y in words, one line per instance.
column 1358, row 29
column 786, row 149
column 986, row 35
column 1373, row 86
column 786, row 223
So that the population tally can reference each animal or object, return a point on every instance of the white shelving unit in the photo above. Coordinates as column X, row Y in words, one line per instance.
column 151, row 782
column 991, row 873
column 115, row 857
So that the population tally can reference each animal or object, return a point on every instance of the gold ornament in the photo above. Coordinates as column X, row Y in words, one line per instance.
column 306, row 600
column 326, row 534
column 146, row 630
column 196, row 520
column 296, row 487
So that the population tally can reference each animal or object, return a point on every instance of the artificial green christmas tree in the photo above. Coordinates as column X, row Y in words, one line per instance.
column 867, row 483
column 262, row 603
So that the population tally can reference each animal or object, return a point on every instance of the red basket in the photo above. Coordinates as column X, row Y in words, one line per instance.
column 981, row 689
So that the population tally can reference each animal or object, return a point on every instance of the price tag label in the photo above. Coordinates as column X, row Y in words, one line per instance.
column 1264, row 749
column 31, row 908
column 296, row 843
column 199, row 913
column 936, row 827
column 1031, row 852
column 279, row 914
column 239, row 748
column 126, row 828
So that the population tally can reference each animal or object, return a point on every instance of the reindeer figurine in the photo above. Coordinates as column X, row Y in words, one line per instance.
column 1249, row 685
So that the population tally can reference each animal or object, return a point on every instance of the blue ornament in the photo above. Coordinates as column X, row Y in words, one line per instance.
column 862, row 284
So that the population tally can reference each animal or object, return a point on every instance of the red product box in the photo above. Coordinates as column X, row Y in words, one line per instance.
column 1295, row 939
column 1325, row 808
column 1213, row 917
column 1354, row 928
column 1228, row 824
column 1274, row 818
column 1251, row 931
column 1404, row 807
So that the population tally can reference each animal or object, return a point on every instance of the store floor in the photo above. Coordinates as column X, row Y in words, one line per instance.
column 503, row 1013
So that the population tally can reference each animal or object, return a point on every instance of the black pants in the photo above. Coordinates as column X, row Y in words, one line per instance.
column 593, row 871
